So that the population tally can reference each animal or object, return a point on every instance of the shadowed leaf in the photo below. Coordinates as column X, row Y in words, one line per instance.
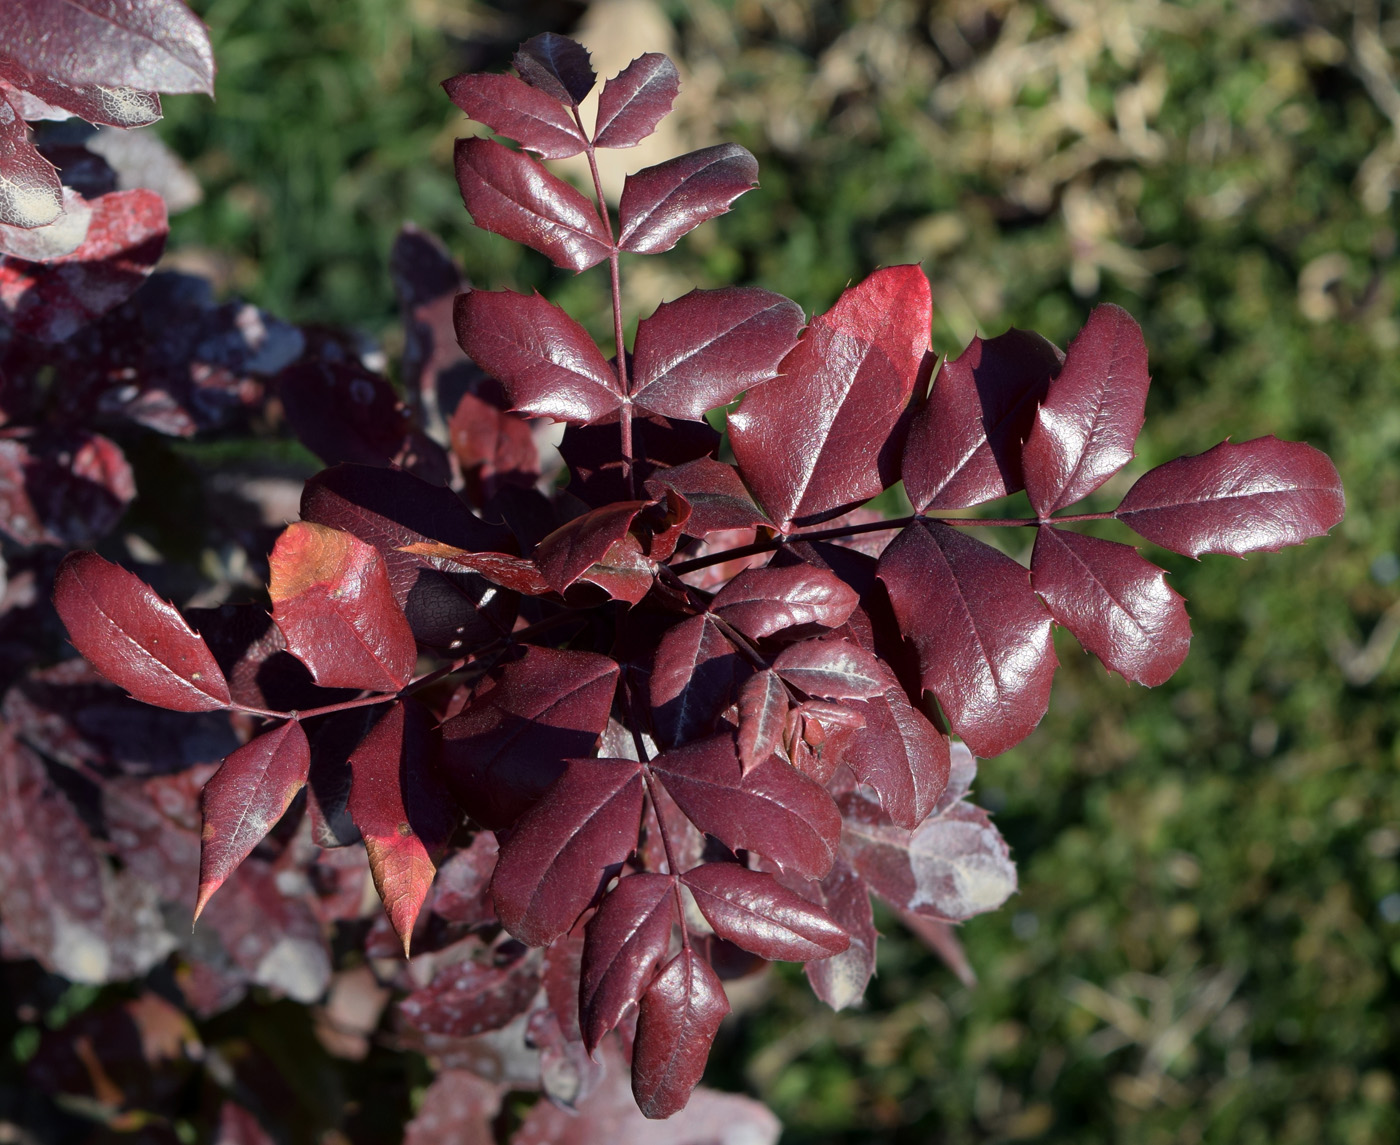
column 676, row 1023
column 624, row 943
column 693, row 679
column 556, row 65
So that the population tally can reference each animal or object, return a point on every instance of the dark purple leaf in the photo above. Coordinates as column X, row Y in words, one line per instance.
column 760, row 602
column 30, row 192
column 660, row 204
column 594, row 456
column 834, row 669
column 982, row 635
column 717, row 498
column 159, row 45
column 625, row 941
column 568, row 552
column 67, row 488
column 840, row 980
column 52, row 300
column 1085, row 429
column 332, row 600
column 238, row 1126
column 514, row 573
column 693, row 679
column 546, row 361
column 754, row 911
column 510, row 194
column 134, row 638
column 763, row 712
column 511, row 107
column 1117, row 605
column 624, row 572
column 818, row 439
column 506, row 748
column 556, row 65
column 558, row 854
column 964, row 445
column 472, row 997
column 244, row 800
column 677, row 1021
column 774, row 809
column 956, row 865
column 402, row 809
column 1237, row 498
column 635, row 100
column 343, row 413
column 457, row 1109
column 709, row 346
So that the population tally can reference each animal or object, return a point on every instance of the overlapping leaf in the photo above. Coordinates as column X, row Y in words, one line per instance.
column 556, row 65
column 662, row 203
column 635, row 100
column 677, row 1021
column 834, row 669
column 511, row 107
column 695, row 676
column 568, row 552
column 899, row 753
column 840, row 980
column 1237, row 498
column 755, row 911
column 761, row 602
column 625, row 941
column 30, row 193
column 716, row 496
column 763, row 714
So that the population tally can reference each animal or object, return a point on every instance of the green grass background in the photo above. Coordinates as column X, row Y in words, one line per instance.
column 1207, row 937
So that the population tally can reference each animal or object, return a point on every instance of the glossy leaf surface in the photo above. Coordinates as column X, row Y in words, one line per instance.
column 556, row 65
column 30, row 192
column 695, row 676
column 982, row 636
column 662, row 203
column 677, row 1021
column 1118, row 605
column 1237, row 498
column 555, row 857
column 761, row 602
column 511, row 107
column 568, row 552
column 136, row 639
column 965, row 442
column 900, row 754
column 717, row 498
column 833, row 669
column 1085, row 428
column 816, row 440
column 43, row 97
column 709, row 346
column 753, row 910
column 635, row 100
column 625, row 942
column 763, row 712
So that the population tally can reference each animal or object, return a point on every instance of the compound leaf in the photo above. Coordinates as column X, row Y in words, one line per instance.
column 760, row 602
column 556, row 65
column 676, row 1024
column 635, row 100
column 624, row 942
column 513, row 108
column 660, row 204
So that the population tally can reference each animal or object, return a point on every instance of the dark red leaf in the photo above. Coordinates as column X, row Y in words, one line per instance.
column 471, row 998
column 964, row 445
column 552, row 864
column 717, row 498
column 899, row 753
column 511, row 107
column 817, row 439
column 30, row 193
column 1085, row 429
column 763, row 711
column 332, row 600
column 625, row 941
column 956, row 865
column 514, row 573
column 52, row 300
column 677, row 1021
column 1117, row 604
column 68, row 488
column 494, row 447
column 754, row 911
column 660, row 204
column 159, row 45
column 568, row 552
column 624, row 572
column 42, row 97
column 546, row 361
column 774, row 809
column 457, row 1109
column 134, row 638
column 557, row 65
column 510, row 194
column 693, row 679
column 840, row 980
column 1237, row 498
column 635, row 100
column 238, row 1126
column 834, row 669
column 594, row 458
column 244, row 800
column 402, row 809
column 982, row 635
column 709, row 346
column 506, row 748
column 760, row 602
column 462, row 890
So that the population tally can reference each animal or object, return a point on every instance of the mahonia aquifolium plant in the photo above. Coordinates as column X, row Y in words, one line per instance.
column 689, row 713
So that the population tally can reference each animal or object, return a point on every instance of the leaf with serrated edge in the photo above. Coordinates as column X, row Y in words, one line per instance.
column 245, row 798
column 900, row 754
column 693, row 679
column 568, row 552
column 1117, row 605
column 552, row 862
column 332, row 600
column 134, row 638
column 774, row 809
column 982, row 635
column 676, row 1024
column 757, row 913
column 511, row 195
column 717, row 498
column 1240, row 498
column 818, row 439
column 635, row 100
column 557, row 65
column 964, row 444
column 546, row 361
column 709, row 346
column 1085, row 429
column 760, row 602
column 513, row 108
column 833, row 669
column 660, row 204
column 763, row 709
column 624, row 942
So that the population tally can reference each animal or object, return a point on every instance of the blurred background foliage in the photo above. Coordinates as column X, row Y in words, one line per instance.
column 1207, row 939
